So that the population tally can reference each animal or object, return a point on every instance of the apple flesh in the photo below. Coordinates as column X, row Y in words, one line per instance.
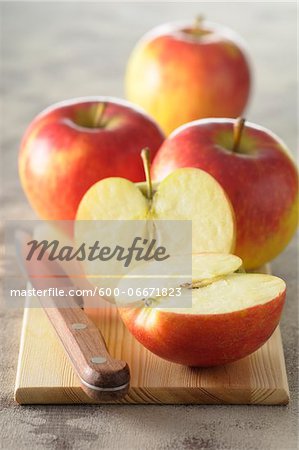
column 179, row 73
column 231, row 317
column 206, row 269
column 258, row 175
column 186, row 194
column 73, row 144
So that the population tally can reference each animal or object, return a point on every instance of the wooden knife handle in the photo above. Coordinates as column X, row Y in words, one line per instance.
column 101, row 376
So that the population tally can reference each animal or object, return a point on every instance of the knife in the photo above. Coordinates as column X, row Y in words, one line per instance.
column 101, row 376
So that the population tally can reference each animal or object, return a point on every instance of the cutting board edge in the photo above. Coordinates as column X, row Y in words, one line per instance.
column 75, row 395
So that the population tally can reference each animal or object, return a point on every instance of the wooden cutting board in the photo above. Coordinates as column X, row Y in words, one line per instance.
column 45, row 376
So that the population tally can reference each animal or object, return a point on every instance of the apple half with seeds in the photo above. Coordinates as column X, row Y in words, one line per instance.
column 186, row 194
column 232, row 314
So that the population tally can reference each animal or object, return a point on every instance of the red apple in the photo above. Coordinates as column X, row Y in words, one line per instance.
column 256, row 171
column 182, row 72
column 73, row 144
column 231, row 316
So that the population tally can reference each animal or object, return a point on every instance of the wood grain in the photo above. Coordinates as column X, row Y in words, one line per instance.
column 45, row 375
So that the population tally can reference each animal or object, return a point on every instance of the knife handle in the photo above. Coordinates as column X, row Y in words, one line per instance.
column 101, row 376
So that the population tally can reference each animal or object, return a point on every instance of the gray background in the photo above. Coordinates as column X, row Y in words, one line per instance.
column 54, row 51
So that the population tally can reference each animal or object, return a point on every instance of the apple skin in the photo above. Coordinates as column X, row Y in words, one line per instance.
column 60, row 160
column 178, row 77
column 261, row 181
column 204, row 340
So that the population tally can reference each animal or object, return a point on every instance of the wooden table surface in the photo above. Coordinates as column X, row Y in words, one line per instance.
column 55, row 51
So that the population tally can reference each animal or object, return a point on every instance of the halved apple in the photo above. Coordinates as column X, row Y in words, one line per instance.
column 186, row 194
column 232, row 315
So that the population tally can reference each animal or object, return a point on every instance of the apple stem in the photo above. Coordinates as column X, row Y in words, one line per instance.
column 198, row 22
column 200, row 283
column 238, row 129
column 145, row 156
column 99, row 112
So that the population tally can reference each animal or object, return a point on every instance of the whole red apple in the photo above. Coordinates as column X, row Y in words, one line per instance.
column 256, row 171
column 73, row 144
column 183, row 72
